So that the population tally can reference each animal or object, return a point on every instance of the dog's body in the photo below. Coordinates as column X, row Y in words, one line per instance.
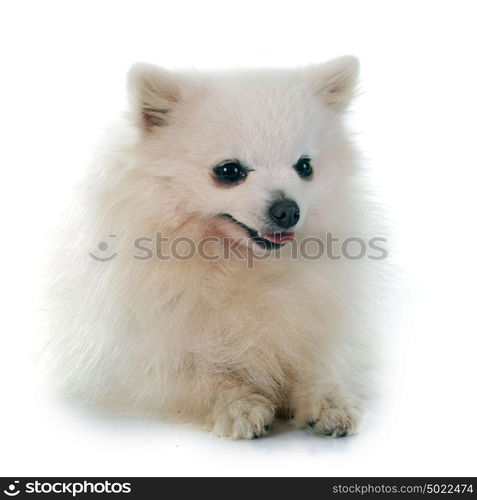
column 221, row 342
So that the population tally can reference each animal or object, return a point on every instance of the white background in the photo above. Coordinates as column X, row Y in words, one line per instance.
column 62, row 82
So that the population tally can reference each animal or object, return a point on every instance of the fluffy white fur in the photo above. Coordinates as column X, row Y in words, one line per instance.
column 215, row 342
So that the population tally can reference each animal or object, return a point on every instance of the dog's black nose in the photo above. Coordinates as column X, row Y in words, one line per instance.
column 285, row 213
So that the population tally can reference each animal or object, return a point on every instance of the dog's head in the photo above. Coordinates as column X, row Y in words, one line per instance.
column 254, row 152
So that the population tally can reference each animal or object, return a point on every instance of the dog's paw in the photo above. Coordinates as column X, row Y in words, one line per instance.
column 327, row 418
column 245, row 418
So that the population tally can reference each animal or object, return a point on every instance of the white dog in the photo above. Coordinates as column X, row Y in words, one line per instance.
column 184, row 284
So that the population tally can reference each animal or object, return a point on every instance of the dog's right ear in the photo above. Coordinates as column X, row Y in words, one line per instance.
column 153, row 94
column 335, row 81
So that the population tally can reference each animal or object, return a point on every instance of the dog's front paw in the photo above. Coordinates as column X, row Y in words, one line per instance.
column 328, row 418
column 245, row 418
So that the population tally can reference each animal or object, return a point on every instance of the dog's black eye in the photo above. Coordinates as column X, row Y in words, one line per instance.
column 230, row 172
column 303, row 167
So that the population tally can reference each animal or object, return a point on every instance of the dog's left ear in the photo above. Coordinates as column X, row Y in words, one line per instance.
column 335, row 81
column 154, row 93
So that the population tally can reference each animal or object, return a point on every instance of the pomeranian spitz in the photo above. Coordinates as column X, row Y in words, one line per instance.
column 220, row 263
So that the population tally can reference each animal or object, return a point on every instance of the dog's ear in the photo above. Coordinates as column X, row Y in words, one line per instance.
column 335, row 81
column 153, row 94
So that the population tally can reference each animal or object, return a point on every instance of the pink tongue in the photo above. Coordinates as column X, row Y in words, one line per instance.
column 279, row 237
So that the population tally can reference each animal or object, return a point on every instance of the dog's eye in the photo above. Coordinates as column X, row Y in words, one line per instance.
column 230, row 172
column 303, row 167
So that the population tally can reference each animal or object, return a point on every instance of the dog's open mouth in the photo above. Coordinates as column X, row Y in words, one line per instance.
column 266, row 240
